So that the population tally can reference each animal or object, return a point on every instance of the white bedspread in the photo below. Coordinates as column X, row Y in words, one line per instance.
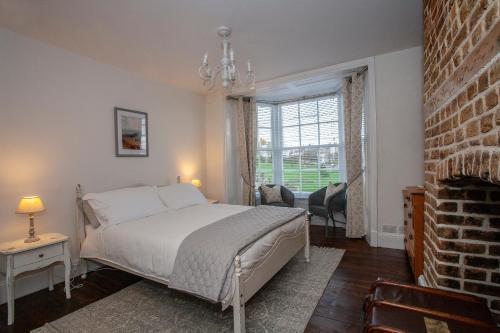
column 150, row 245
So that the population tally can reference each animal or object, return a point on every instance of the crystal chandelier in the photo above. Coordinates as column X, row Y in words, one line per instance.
column 229, row 75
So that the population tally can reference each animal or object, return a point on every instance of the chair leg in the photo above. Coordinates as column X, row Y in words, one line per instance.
column 326, row 227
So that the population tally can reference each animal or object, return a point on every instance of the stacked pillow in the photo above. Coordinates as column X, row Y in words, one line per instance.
column 132, row 203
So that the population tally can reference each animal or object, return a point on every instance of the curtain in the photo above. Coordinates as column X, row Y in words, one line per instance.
column 352, row 93
column 233, row 180
column 247, row 140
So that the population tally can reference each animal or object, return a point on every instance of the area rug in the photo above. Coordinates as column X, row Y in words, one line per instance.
column 285, row 304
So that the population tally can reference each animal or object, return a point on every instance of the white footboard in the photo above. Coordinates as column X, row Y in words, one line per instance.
column 279, row 256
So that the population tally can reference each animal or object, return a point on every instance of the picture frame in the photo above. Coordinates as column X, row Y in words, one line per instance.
column 131, row 133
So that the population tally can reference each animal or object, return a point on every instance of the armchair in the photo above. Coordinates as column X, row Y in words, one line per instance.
column 335, row 203
column 287, row 196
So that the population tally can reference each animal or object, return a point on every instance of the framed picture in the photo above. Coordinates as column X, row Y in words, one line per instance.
column 131, row 131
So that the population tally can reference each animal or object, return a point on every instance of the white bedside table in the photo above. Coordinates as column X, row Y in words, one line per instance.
column 18, row 257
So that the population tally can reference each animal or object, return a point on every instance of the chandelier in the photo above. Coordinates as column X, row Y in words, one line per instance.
column 229, row 75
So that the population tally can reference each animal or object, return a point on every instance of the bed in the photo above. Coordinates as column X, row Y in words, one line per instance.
column 153, row 247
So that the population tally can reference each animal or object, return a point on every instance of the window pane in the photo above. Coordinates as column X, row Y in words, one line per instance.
column 328, row 109
column 264, row 138
column 291, row 136
column 291, row 169
column 263, row 168
column 263, row 116
column 309, row 165
column 308, row 112
column 328, row 160
column 329, row 133
column 289, row 115
column 309, row 134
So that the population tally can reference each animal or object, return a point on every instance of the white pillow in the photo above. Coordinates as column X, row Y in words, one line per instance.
column 126, row 204
column 272, row 194
column 331, row 189
column 181, row 195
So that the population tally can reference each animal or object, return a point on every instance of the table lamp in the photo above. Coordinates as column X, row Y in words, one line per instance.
column 196, row 182
column 30, row 205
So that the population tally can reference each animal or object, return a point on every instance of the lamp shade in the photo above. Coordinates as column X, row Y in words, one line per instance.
column 196, row 182
column 29, row 205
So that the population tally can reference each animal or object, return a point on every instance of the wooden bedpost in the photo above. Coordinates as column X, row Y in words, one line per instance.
column 80, row 230
column 238, row 299
column 307, row 245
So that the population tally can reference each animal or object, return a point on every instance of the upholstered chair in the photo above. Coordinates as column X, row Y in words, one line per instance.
column 335, row 204
column 287, row 196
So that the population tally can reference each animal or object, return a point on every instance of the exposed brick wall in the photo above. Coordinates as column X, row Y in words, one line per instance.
column 462, row 146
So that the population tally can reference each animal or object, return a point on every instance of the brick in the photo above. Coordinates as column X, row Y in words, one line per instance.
column 474, row 274
column 481, row 208
column 491, row 100
column 466, row 114
column 450, row 219
column 487, row 123
column 479, row 106
column 494, row 73
column 472, row 91
column 495, row 278
column 448, row 257
column 491, row 140
column 448, row 233
column 462, row 99
column 447, row 207
column 482, row 82
column 495, row 222
column 480, row 288
column 472, row 129
column 448, row 270
column 488, row 236
column 495, row 305
column 494, row 250
column 482, row 262
column 495, row 195
column 448, row 283
column 455, row 246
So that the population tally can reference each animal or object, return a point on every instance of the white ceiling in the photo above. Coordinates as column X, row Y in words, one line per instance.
column 164, row 40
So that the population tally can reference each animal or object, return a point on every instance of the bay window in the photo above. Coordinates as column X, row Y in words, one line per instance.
column 299, row 144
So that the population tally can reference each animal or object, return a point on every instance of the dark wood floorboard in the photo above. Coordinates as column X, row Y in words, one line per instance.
column 338, row 310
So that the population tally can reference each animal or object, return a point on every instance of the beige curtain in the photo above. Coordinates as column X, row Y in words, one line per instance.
column 352, row 94
column 247, row 140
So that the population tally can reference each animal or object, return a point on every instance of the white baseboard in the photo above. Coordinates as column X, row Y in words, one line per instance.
column 391, row 241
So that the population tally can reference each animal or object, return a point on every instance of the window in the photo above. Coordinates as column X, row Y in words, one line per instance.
column 299, row 144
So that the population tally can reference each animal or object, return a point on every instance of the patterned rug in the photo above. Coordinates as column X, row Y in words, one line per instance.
column 285, row 304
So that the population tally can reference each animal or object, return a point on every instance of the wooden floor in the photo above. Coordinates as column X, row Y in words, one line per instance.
column 339, row 309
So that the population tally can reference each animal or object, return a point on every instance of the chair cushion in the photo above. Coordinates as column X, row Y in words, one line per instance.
column 332, row 189
column 318, row 210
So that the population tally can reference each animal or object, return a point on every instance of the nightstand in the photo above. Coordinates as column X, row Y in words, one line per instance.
column 18, row 257
column 213, row 201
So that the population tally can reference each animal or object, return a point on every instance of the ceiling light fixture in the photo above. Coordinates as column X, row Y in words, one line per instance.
column 229, row 75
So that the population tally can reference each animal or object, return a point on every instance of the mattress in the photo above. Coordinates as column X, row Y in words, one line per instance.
column 149, row 245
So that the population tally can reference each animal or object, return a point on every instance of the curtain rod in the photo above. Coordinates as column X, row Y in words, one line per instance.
column 299, row 98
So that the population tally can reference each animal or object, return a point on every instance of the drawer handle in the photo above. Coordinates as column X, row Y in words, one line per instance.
column 406, row 222
column 410, row 236
column 405, row 240
column 40, row 255
column 409, row 215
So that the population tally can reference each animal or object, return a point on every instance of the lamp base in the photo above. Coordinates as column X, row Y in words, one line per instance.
column 31, row 239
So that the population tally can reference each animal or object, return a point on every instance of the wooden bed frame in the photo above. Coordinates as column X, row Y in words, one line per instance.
column 244, row 286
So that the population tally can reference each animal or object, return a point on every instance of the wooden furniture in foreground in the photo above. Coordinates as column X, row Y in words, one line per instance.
column 18, row 257
column 413, row 198
column 398, row 307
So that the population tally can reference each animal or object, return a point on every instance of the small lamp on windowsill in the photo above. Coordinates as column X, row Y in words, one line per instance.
column 30, row 206
column 196, row 183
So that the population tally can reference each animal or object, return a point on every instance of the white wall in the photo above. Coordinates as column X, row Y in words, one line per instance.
column 57, row 130
column 400, row 143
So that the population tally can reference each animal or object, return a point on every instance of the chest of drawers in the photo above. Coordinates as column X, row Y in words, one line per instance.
column 413, row 198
